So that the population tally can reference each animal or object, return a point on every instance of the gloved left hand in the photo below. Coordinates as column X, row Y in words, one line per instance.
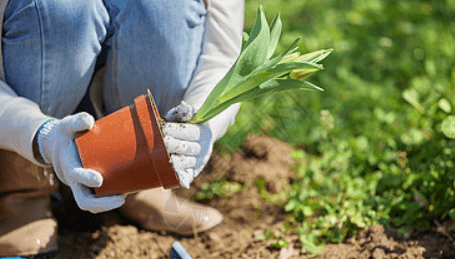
column 56, row 146
column 190, row 145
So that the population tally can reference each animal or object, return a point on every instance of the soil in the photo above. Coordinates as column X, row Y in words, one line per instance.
column 246, row 215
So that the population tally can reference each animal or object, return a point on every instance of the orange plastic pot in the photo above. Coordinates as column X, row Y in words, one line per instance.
column 128, row 149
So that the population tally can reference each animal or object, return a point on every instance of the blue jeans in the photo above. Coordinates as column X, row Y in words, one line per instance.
column 51, row 49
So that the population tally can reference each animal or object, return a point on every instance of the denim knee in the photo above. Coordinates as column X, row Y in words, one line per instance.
column 50, row 48
column 155, row 46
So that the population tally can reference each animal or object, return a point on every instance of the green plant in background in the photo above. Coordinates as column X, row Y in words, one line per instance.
column 255, row 73
column 329, row 203
column 378, row 145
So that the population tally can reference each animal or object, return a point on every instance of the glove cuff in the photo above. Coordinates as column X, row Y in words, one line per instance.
column 44, row 140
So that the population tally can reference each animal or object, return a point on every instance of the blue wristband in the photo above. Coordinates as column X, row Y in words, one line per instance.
column 37, row 136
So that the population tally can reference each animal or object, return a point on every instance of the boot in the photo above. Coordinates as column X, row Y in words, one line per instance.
column 27, row 227
column 162, row 210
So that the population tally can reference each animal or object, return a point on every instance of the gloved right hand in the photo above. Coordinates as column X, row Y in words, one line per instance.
column 56, row 145
column 190, row 145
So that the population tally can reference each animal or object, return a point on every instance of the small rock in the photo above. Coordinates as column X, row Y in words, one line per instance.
column 378, row 253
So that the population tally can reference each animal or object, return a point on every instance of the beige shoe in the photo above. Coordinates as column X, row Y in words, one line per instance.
column 27, row 227
column 162, row 210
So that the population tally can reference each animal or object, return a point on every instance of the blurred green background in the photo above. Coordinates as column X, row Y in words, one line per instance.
column 376, row 146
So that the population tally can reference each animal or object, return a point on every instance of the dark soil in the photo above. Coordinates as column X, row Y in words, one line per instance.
column 247, row 215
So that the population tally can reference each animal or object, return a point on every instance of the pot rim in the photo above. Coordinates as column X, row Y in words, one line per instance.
column 164, row 158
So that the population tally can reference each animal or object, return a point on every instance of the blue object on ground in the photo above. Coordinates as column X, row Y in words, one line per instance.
column 47, row 255
column 178, row 252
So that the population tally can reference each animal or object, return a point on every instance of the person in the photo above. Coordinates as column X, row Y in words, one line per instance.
column 52, row 51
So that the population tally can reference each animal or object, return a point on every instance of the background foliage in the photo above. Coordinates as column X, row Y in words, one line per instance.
column 376, row 146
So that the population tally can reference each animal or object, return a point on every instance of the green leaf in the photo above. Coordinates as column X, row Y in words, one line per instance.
column 280, row 84
column 258, row 25
column 444, row 104
column 280, row 244
column 275, row 85
column 290, row 57
column 275, row 32
column 291, row 205
column 255, row 52
column 315, row 56
column 245, row 39
column 358, row 220
column 448, row 126
column 412, row 97
column 302, row 74
column 452, row 213
column 307, row 211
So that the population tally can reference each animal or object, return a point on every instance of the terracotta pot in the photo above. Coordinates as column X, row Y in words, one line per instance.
column 128, row 149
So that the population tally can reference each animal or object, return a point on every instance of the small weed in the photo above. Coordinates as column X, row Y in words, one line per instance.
column 219, row 188
column 275, row 237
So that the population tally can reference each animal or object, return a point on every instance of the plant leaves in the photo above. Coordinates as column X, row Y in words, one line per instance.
column 275, row 85
column 215, row 93
column 232, row 80
column 271, row 86
column 262, row 76
column 254, row 67
column 276, row 60
column 215, row 99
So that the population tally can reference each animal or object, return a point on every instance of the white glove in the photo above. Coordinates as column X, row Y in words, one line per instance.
column 190, row 145
column 57, row 147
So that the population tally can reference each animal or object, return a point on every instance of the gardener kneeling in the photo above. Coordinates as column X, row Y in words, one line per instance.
column 51, row 50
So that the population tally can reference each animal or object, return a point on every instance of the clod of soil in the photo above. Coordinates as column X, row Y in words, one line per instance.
column 247, row 215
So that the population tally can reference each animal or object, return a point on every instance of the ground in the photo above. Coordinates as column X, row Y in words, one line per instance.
column 246, row 215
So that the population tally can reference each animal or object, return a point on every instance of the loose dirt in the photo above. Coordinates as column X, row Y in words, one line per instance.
column 262, row 164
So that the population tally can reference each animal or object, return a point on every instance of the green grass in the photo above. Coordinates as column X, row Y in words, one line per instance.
column 378, row 141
